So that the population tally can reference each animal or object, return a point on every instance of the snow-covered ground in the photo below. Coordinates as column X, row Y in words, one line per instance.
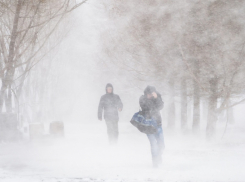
column 84, row 155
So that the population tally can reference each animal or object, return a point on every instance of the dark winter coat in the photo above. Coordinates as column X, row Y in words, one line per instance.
column 151, row 107
column 110, row 103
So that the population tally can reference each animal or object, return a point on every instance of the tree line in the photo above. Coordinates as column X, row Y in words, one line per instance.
column 30, row 30
column 194, row 48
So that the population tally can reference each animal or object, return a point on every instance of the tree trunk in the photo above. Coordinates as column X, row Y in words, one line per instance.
column 8, row 77
column 230, row 114
column 183, row 104
column 212, row 109
column 196, row 108
column 204, row 109
column 196, row 100
column 171, row 107
column 8, row 100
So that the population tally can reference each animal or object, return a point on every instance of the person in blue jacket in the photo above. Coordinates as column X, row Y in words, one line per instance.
column 111, row 104
column 151, row 103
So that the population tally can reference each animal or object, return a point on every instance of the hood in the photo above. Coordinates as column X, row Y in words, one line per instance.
column 149, row 89
column 109, row 85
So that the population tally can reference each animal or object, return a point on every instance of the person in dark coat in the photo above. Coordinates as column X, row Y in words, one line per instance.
column 151, row 103
column 111, row 104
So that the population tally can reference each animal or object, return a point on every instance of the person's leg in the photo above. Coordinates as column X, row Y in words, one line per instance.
column 154, row 149
column 112, row 131
column 160, row 143
column 115, row 132
column 109, row 130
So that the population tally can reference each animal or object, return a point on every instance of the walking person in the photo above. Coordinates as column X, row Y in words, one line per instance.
column 151, row 103
column 111, row 104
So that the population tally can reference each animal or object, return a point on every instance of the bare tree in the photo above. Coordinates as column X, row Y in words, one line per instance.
column 161, row 36
column 27, row 28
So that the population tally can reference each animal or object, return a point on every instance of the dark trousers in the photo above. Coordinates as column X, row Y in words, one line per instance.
column 112, row 131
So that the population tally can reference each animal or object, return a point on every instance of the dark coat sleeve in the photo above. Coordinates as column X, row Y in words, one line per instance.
column 119, row 103
column 158, row 103
column 100, row 108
